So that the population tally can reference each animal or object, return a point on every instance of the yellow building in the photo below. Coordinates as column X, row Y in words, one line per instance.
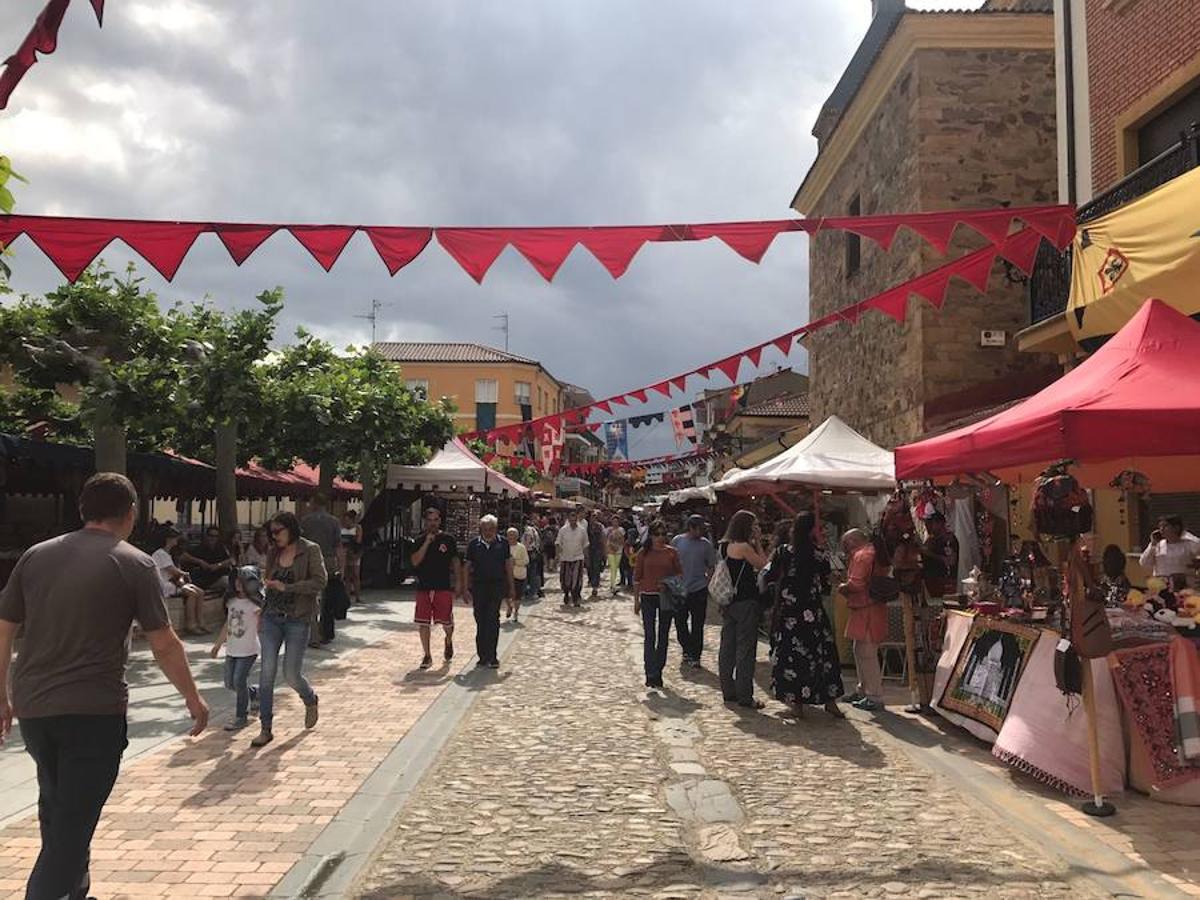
column 489, row 387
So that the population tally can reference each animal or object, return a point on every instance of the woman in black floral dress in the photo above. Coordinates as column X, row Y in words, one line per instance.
column 806, row 668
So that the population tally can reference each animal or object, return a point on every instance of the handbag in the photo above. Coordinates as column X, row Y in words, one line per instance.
column 883, row 589
column 672, row 594
column 721, row 587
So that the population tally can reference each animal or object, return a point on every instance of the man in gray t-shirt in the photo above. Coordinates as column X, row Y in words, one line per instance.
column 76, row 597
column 698, row 558
column 325, row 530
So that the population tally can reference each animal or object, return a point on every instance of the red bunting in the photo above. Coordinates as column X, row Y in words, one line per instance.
column 164, row 247
column 679, row 382
column 784, row 343
column 638, row 395
column 73, row 246
column 977, row 268
column 1021, row 249
column 893, row 303
column 605, row 407
column 662, row 388
column 729, row 366
column 754, row 354
column 476, row 249
column 397, row 247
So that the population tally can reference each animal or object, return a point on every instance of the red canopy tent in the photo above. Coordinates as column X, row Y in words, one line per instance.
column 1134, row 404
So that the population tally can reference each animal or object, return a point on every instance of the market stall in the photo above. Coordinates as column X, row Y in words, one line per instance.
column 1130, row 408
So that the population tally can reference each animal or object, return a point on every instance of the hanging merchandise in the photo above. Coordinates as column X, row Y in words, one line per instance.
column 616, row 440
column 553, row 440
column 684, row 425
column 640, row 421
column 1061, row 508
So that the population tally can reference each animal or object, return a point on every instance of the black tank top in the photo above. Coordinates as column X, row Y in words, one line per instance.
column 745, row 581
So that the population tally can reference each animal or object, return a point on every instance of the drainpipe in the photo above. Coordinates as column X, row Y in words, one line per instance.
column 1069, row 78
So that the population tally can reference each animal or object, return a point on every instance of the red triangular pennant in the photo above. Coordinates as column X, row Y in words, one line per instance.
column 932, row 287
column 162, row 244
column 545, row 248
column 242, row 240
column 993, row 224
column 937, row 230
column 605, row 407
column 729, row 367
column 475, row 249
column 850, row 313
column 783, row 343
column 882, row 233
column 754, row 354
column 324, row 242
column 976, row 268
column 679, row 382
column 893, row 303
column 98, row 9
column 1021, row 249
column 397, row 247
column 750, row 240
column 663, row 388
column 1057, row 225
column 618, row 401
column 71, row 247
column 638, row 395
column 616, row 246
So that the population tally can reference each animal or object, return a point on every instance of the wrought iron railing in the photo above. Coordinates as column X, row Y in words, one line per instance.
column 1050, row 283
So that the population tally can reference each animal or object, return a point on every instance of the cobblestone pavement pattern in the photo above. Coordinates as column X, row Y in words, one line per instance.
column 568, row 779
column 212, row 817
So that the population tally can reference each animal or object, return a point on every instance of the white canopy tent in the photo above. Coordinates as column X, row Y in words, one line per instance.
column 832, row 457
column 453, row 468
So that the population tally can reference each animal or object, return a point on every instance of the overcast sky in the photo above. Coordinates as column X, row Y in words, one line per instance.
column 449, row 112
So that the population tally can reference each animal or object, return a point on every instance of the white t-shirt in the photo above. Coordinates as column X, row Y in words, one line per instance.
column 572, row 543
column 241, row 620
column 163, row 560
column 1168, row 558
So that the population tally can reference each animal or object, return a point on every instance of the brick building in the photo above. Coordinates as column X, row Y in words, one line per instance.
column 935, row 111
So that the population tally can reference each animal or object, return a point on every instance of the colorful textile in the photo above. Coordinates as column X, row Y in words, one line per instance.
column 1142, row 676
column 955, row 638
column 1185, row 674
column 684, row 425
column 1045, row 733
column 988, row 670
column 616, row 440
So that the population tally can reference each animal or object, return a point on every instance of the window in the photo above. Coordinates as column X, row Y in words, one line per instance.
column 1162, row 132
column 487, row 390
column 541, row 399
column 524, row 393
column 853, row 241
column 419, row 387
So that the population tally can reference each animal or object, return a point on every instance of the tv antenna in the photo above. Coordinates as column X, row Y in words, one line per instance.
column 503, row 326
column 373, row 316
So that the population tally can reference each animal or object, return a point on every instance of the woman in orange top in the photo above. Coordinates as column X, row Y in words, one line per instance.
column 868, row 623
column 658, row 560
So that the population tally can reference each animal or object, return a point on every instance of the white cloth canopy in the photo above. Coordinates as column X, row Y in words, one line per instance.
column 454, row 467
column 686, row 495
column 833, row 456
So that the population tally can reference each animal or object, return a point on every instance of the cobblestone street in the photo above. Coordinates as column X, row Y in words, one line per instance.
column 568, row 778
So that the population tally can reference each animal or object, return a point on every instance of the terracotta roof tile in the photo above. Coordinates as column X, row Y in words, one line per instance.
column 421, row 351
column 791, row 406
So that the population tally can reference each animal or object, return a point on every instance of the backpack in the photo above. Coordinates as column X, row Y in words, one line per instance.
column 1060, row 505
column 720, row 586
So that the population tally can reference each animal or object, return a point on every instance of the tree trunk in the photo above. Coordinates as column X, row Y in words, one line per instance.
column 366, row 469
column 110, row 448
column 225, row 440
column 325, row 478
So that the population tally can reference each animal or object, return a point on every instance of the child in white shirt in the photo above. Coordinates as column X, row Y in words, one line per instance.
column 239, row 634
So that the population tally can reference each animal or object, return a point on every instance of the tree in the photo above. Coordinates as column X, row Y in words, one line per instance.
column 348, row 414
column 520, row 474
column 108, row 337
column 6, row 206
column 224, row 387
column 25, row 409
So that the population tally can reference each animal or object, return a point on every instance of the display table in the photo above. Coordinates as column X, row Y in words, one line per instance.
column 1041, row 731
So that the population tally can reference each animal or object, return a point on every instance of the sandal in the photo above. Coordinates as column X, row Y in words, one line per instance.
column 833, row 710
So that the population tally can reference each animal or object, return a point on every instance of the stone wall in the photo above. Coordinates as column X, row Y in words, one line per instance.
column 869, row 374
column 986, row 120
column 958, row 129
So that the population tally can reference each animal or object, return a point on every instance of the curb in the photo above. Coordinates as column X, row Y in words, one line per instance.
column 344, row 850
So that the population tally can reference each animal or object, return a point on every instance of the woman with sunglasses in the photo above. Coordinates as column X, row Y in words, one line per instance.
column 295, row 578
column 656, row 561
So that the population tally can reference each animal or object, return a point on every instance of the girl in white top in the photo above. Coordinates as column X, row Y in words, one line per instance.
column 239, row 634
column 520, row 558
column 1172, row 550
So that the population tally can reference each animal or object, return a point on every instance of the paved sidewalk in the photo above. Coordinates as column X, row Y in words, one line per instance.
column 572, row 780
column 213, row 817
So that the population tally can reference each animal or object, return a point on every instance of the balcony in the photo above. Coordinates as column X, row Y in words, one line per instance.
column 1050, row 283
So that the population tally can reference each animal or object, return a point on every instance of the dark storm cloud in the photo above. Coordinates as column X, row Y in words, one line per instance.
column 449, row 112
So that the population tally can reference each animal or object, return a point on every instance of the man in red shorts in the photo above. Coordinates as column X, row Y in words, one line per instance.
column 436, row 561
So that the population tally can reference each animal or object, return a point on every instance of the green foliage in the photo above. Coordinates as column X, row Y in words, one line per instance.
column 6, row 172
column 107, row 336
column 323, row 405
column 519, row 474
column 224, row 373
column 24, row 408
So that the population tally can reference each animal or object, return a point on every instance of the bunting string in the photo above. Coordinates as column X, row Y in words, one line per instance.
column 43, row 39
column 72, row 244
column 1019, row 248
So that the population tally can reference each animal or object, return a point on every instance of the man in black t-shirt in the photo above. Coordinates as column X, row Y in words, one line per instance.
column 489, row 575
column 434, row 556
column 208, row 562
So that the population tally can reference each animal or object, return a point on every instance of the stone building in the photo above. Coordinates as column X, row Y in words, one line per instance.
column 935, row 111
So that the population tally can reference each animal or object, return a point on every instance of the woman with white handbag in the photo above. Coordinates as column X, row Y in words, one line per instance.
column 734, row 586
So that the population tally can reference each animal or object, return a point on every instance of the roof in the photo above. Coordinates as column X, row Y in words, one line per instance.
column 788, row 406
column 452, row 468
column 434, row 351
column 1125, row 402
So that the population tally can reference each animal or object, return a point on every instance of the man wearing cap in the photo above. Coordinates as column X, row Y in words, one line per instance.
column 698, row 557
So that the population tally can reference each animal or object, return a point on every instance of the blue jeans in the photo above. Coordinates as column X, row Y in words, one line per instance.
column 237, row 677
column 290, row 635
column 657, row 626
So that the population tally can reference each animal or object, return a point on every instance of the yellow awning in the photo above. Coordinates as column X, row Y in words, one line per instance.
column 1147, row 248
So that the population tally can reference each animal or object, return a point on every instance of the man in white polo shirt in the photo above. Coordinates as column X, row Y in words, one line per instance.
column 572, row 549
